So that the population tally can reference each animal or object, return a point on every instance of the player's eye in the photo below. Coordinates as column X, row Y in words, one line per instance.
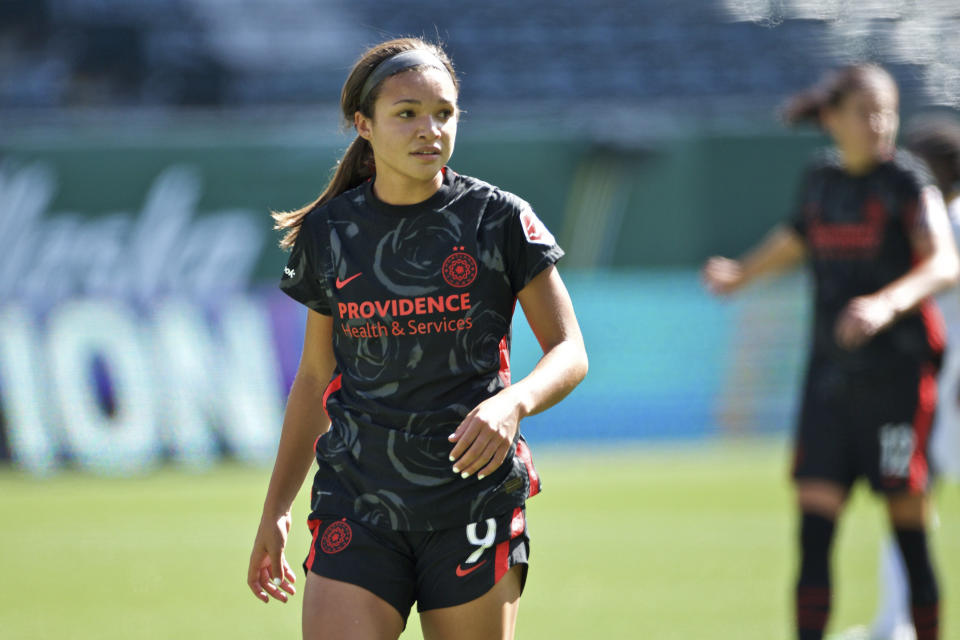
column 406, row 113
column 445, row 114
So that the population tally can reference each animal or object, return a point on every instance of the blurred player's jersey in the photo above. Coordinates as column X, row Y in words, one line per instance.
column 945, row 443
column 422, row 298
column 857, row 232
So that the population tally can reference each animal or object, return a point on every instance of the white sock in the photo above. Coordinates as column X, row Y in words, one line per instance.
column 893, row 604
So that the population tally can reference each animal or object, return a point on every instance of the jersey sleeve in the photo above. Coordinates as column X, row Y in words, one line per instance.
column 303, row 277
column 531, row 247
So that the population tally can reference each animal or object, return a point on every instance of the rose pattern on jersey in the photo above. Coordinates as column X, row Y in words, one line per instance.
column 409, row 376
column 418, row 454
column 414, row 356
column 342, row 438
column 382, row 509
column 297, row 274
column 418, row 461
column 492, row 260
column 374, row 354
column 478, row 348
column 338, row 261
column 407, row 251
column 514, row 481
column 424, row 423
column 373, row 357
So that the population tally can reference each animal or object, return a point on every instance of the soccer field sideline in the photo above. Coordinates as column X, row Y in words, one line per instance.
column 631, row 541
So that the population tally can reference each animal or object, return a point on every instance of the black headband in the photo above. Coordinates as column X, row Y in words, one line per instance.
column 395, row 64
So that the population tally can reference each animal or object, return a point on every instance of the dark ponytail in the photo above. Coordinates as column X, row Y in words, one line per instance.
column 354, row 167
column 807, row 106
column 936, row 139
column 357, row 165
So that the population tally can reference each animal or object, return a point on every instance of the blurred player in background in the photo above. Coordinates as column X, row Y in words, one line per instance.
column 411, row 273
column 876, row 236
column 936, row 140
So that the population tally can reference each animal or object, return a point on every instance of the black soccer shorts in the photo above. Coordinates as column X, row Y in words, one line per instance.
column 432, row 568
column 876, row 425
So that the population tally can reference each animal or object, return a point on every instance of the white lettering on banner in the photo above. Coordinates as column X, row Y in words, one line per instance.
column 27, row 437
column 172, row 384
column 118, row 443
column 164, row 250
column 188, row 386
column 250, row 379
column 231, row 384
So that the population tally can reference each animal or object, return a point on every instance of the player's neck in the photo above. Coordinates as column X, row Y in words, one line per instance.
column 396, row 189
column 858, row 163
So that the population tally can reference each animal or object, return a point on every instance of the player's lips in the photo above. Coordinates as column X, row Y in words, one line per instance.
column 427, row 152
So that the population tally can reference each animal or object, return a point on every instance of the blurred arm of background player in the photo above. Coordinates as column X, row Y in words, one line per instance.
column 303, row 422
column 937, row 268
column 780, row 250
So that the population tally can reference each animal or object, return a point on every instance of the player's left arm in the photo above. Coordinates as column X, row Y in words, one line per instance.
column 485, row 436
column 937, row 267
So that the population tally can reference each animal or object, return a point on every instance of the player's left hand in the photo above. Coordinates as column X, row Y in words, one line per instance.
column 485, row 436
column 863, row 318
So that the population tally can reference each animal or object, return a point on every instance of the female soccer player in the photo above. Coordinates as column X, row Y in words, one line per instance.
column 876, row 236
column 936, row 140
column 403, row 396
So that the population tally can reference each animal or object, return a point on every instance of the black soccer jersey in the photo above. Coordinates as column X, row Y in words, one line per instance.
column 422, row 298
column 857, row 232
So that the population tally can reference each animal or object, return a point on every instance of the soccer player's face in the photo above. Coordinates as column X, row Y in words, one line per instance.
column 414, row 125
column 864, row 125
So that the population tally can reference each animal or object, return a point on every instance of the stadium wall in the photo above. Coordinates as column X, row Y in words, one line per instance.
column 140, row 322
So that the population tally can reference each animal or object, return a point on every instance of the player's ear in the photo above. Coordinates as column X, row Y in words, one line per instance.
column 362, row 124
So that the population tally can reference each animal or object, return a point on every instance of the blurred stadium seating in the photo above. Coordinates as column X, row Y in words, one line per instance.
column 702, row 55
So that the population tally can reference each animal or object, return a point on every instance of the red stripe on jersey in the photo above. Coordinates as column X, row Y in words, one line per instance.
column 922, row 421
column 505, row 353
column 935, row 326
column 517, row 524
column 334, row 385
column 314, row 526
column 502, row 561
column 523, row 452
column 504, row 362
column 933, row 323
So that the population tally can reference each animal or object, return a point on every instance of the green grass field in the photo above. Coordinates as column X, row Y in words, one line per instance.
column 640, row 541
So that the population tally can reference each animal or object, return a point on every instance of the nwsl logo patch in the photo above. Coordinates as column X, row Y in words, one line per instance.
column 535, row 230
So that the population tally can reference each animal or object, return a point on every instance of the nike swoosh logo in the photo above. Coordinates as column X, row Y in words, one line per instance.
column 463, row 572
column 342, row 283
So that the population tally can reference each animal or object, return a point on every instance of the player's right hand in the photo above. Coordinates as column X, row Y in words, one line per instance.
column 722, row 276
column 269, row 574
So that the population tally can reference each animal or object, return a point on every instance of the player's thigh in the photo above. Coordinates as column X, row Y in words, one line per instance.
column 823, row 497
column 492, row 616
column 334, row 610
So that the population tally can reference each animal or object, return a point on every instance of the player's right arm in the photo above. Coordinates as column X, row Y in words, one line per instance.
column 780, row 250
column 304, row 420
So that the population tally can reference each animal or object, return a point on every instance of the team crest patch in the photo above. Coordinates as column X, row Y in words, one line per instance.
column 459, row 269
column 336, row 537
column 535, row 230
